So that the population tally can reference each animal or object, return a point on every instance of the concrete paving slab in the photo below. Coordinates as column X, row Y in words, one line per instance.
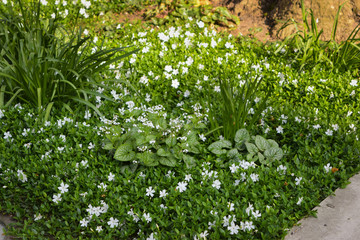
column 4, row 221
column 338, row 217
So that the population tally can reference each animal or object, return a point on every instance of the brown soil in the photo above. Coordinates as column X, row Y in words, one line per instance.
column 263, row 18
column 270, row 15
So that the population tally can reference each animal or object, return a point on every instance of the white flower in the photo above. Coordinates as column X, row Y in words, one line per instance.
column 298, row 180
column 187, row 93
column 233, row 168
column 188, row 177
column 249, row 209
column 91, row 145
column 202, row 137
column 7, row 135
column 254, row 177
column 113, row 222
column 247, row 226
column 84, row 222
column 151, row 237
column 102, row 186
column 327, row 168
column 217, row 89
column 233, row 228
column 168, row 68
column 281, row 169
column 256, row 214
column 37, row 217
column 145, row 50
column 300, row 200
column 21, row 175
column 63, row 187
column 57, row 198
column 150, row 192
column 99, row 228
column 226, row 220
column 144, row 80
column 279, row 129
column 111, row 177
column 329, row 132
column 353, row 83
column 200, row 24
column 204, row 234
column 175, row 83
column 147, row 217
column 216, row 184
column 163, row 193
column 310, row 89
column 231, row 206
column 181, row 186
column 2, row 111
column 228, row 45
column 213, row 43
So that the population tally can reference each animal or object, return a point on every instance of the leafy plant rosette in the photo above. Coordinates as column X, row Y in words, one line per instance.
column 42, row 65
column 148, row 138
column 256, row 148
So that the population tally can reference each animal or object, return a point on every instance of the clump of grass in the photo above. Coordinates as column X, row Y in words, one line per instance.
column 43, row 65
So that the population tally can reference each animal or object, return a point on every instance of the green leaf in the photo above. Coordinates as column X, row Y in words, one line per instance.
column 217, row 147
column 168, row 161
column 149, row 138
column 261, row 143
column 242, row 135
column 189, row 161
column 163, row 153
column 251, row 148
column 124, row 153
column 233, row 153
column 199, row 125
column 274, row 153
column 148, row 159
column 108, row 146
column 170, row 141
column 141, row 140
column 272, row 143
column 261, row 158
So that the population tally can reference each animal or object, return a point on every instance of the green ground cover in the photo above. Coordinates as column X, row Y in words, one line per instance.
column 147, row 151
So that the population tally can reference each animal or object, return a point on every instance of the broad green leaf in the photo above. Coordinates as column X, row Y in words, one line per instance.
column 189, row 161
column 194, row 148
column 217, row 147
column 130, row 168
column 141, row 140
column 261, row 158
column 251, row 148
column 273, row 153
column 250, row 157
column 242, row 135
column 200, row 125
column 233, row 153
column 124, row 153
column 108, row 146
column 261, row 143
column 148, row 159
column 191, row 138
column 168, row 161
column 272, row 143
column 170, row 141
column 163, row 153
column 149, row 138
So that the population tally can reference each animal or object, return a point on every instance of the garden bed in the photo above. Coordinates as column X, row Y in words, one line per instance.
column 156, row 164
